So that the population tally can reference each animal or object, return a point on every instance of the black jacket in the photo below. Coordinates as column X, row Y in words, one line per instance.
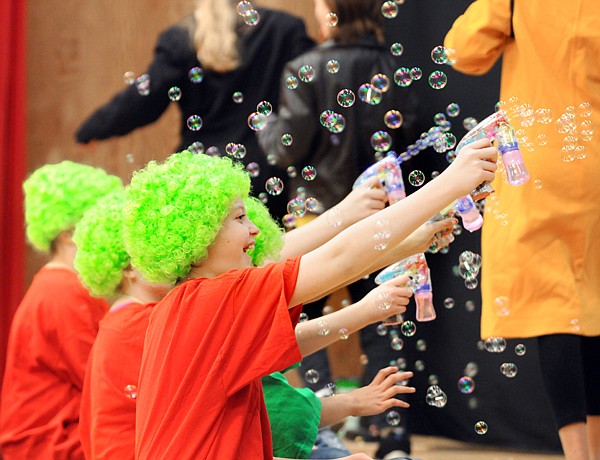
column 339, row 158
column 265, row 49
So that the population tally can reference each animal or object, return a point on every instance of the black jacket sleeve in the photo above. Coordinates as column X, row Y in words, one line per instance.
column 129, row 109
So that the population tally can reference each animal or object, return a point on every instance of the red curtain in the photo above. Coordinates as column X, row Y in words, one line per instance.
column 12, row 163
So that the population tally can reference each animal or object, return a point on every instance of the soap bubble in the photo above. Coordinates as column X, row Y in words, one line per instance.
column 509, row 369
column 381, row 141
column 402, row 77
column 438, row 79
column 369, row 94
column 331, row 19
column 309, row 173
column 466, row 385
column 520, row 349
column 408, row 328
column 306, row 73
column 130, row 391
column 389, row 10
column 174, row 93
column 393, row 418
column 346, row 98
column 453, row 109
column 194, row 122
column 257, row 121
column 439, row 55
column 274, row 186
column 381, row 82
column 264, row 108
column 396, row 49
column 416, row 178
column 481, row 427
column 332, row 66
column 196, row 74
column 312, row 376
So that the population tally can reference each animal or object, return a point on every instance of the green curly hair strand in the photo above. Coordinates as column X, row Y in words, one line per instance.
column 175, row 209
column 269, row 242
column 101, row 256
column 57, row 196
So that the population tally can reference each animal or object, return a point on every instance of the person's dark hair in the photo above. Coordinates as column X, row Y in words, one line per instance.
column 355, row 19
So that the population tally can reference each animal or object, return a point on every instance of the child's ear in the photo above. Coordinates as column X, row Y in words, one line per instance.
column 130, row 273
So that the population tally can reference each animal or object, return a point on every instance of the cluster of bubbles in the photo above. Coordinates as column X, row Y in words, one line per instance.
column 469, row 265
column 248, row 13
column 436, row 397
column 494, row 344
column 142, row 84
column 382, row 235
column 396, row 342
column 574, row 124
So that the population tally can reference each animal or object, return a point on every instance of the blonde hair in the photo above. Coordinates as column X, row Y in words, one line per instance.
column 215, row 37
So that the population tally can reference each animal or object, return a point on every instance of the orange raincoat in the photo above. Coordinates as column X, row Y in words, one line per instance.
column 541, row 240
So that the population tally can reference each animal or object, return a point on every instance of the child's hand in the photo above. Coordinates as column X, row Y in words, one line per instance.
column 475, row 164
column 422, row 238
column 379, row 395
column 388, row 299
column 368, row 198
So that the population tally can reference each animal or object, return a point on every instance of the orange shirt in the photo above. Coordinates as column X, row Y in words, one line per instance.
column 48, row 347
column 107, row 414
column 208, row 344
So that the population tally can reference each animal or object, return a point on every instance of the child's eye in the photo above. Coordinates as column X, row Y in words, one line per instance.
column 241, row 216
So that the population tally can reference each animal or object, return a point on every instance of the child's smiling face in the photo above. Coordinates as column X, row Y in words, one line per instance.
column 229, row 250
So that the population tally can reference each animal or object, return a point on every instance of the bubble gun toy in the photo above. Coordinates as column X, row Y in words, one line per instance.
column 416, row 268
column 471, row 219
column 497, row 127
column 389, row 171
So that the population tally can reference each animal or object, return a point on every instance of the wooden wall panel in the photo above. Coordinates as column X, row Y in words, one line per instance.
column 77, row 55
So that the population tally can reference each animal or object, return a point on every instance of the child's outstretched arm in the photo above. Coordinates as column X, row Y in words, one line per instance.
column 386, row 300
column 350, row 253
column 375, row 398
column 417, row 241
column 358, row 204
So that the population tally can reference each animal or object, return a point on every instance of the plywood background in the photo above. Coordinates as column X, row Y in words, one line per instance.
column 77, row 55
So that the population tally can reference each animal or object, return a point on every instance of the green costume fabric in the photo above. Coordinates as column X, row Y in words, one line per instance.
column 294, row 414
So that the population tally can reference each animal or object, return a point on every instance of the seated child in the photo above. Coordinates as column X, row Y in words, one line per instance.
column 55, row 325
column 107, row 412
column 227, row 323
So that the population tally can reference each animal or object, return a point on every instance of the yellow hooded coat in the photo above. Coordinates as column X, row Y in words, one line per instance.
column 541, row 240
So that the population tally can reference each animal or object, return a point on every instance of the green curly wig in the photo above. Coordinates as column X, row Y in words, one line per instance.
column 57, row 195
column 101, row 256
column 175, row 209
column 269, row 241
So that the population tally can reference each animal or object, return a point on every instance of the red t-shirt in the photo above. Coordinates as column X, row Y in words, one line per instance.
column 208, row 344
column 107, row 415
column 48, row 347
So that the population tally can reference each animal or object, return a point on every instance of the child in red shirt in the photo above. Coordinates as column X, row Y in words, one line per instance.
column 55, row 324
column 107, row 411
column 227, row 324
